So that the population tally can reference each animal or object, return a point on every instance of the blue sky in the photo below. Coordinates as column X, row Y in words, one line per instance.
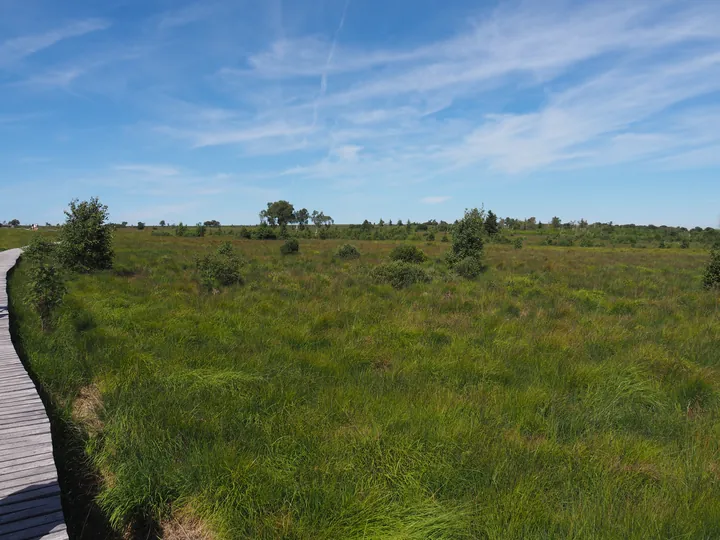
column 363, row 109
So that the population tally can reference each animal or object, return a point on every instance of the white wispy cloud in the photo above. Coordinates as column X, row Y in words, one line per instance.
column 15, row 49
column 147, row 169
column 435, row 200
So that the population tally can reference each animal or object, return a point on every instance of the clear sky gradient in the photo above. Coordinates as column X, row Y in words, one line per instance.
column 365, row 109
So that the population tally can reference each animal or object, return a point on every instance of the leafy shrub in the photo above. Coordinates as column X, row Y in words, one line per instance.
column 408, row 254
column 399, row 274
column 290, row 246
column 347, row 251
column 86, row 238
column 444, row 238
column 220, row 269
column 140, row 225
column 40, row 251
column 200, row 230
column 518, row 243
column 160, row 233
column 244, row 232
column 467, row 238
column 430, row 236
column 711, row 279
column 263, row 232
column 684, row 244
column 46, row 291
column 469, row 267
column 181, row 230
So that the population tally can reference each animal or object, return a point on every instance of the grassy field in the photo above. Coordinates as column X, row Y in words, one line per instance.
column 567, row 393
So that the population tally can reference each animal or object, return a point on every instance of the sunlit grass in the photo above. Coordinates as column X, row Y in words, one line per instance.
column 568, row 392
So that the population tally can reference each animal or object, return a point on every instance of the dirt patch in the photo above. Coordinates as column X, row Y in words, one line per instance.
column 87, row 408
column 185, row 526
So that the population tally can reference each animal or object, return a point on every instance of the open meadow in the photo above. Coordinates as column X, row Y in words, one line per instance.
column 567, row 392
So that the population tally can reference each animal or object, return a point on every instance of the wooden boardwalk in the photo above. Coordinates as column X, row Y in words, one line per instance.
column 29, row 490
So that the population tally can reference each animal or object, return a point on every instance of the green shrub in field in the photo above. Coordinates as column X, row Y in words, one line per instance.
column 46, row 286
column 467, row 238
column 244, row 232
column 518, row 243
column 347, row 251
column 86, row 237
column 430, row 236
column 711, row 279
column 181, row 230
column 290, row 246
column 46, row 290
column 40, row 251
column 220, row 269
column 400, row 274
column 200, row 230
column 140, row 226
column 684, row 244
column 469, row 267
column 444, row 238
column 160, row 233
column 408, row 254
column 264, row 232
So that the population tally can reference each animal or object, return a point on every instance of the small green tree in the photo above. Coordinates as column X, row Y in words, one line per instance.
column 46, row 283
column 491, row 224
column 181, row 230
column 347, row 251
column 86, row 237
column 200, row 230
column 40, row 251
column 399, row 274
column 467, row 238
column 518, row 243
column 46, row 291
column 219, row 269
column 162, row 222
column 469, row 267
column 140, row 225
column 711, row 279
column 291, row 246
column 408, row 253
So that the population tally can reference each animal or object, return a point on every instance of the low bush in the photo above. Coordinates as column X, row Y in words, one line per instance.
column 469, row 267
column 711, row 279
column 518, row 243
column 347, row 251
column 220, row 269
column 400, row 274
column 40, row 251
column 408, row 254
column 244, row 232
column 263, row 232
column 290, row 246
column 46, row 291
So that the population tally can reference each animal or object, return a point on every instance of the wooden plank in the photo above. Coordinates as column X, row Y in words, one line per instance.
column 48, row 506
column 28, row 452
column 31, row 526
column 40, row 491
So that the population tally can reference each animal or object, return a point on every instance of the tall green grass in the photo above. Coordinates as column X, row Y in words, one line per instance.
column 565, row 393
